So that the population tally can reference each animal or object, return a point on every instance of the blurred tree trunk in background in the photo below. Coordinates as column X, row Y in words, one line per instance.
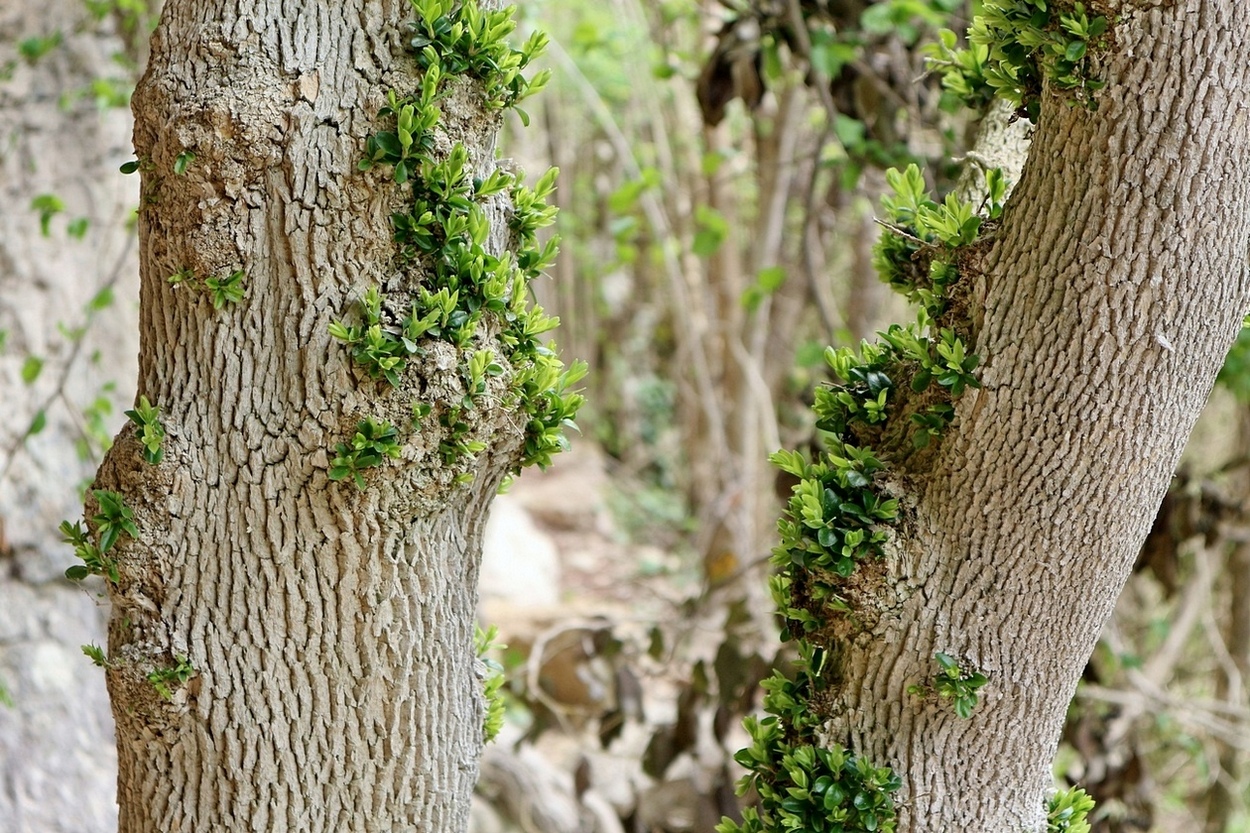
column 67, row 362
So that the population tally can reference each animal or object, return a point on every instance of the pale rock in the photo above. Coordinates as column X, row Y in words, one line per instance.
column 520, row 562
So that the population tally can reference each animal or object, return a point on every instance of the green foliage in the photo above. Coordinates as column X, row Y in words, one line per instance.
column 48, row 206
column 182, row 162
column 954, row 683
column 906, row 18
column 1235, row 374
column 6, row 699
column 833, row 518
column 106, row 526
column 413, row 136
column 1016, row 44
column 136, row 17
column 492, row 686
column 32, row 366
column 164, row 680
column 805, row 784
column 465, row 290
column 34, row 48
column 96, row 654
column 546, row 398
column 711, row 229
column 227, row 290
column 918, row 256
column 1067, row 811
column 839, row 513
column 114, row 518
column 466, row 40
column 371, row 443
column 149, row 430
column 77, row 228
column 382, row 351
column 768, row 281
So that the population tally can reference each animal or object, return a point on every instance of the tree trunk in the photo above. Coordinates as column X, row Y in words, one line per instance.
column 313, row 639
column 1110, row 296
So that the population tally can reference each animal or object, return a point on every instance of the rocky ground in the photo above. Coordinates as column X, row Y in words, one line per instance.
column 625, row 677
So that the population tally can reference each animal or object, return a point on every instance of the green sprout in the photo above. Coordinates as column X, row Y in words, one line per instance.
column 371, row 444
column 954, row 683
column 147, row 420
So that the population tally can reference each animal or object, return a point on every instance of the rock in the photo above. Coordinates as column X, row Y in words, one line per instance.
column 520, row 563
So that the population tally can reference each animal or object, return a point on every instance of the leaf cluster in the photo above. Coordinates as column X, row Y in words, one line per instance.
column 226, row 290
column 839, row 513
column 369, row 446
column 467, row 40
column 834, row 518
column 164, row 680
column 1016, row 45
column 952, row 682
column 149, row 430
column 1067, row 811
column 816, row 789
column 93, row 544
column 917, row 255
column 485, row 641
column 229, row 289
column 445, row 231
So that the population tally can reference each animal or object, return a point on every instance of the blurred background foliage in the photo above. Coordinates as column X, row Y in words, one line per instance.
column 720, row 165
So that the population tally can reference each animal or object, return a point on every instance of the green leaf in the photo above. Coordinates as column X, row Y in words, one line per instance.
column 31, row 369
column 101, row 300
column 38, row 423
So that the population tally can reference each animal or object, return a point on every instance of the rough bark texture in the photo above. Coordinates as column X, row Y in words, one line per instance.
column 57, row 760
column 330, row 629
column 1112, row 291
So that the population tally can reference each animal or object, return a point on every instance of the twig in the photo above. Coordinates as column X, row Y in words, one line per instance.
column 20, row 441
column 906, row 235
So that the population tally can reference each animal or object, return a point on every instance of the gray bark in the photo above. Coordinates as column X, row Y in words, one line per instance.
column 57, row 758
column 1114, row 287
column 330, row 629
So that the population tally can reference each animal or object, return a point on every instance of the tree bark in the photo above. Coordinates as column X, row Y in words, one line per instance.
column 1110, row 296
column 329, row 628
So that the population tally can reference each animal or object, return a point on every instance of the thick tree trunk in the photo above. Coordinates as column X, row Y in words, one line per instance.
column 329, row 628
column 1112, row 291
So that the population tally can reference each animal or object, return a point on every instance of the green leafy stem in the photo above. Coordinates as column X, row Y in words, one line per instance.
column 840, row 511
column 467, row 291
column 92, row 545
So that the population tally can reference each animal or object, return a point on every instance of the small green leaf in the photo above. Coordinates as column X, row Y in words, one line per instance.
column 38, row 423
column 31, row 369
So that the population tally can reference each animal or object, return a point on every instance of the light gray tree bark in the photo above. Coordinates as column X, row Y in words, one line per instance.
column 57, row 759
column 329, row 628
column 1108, row 300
